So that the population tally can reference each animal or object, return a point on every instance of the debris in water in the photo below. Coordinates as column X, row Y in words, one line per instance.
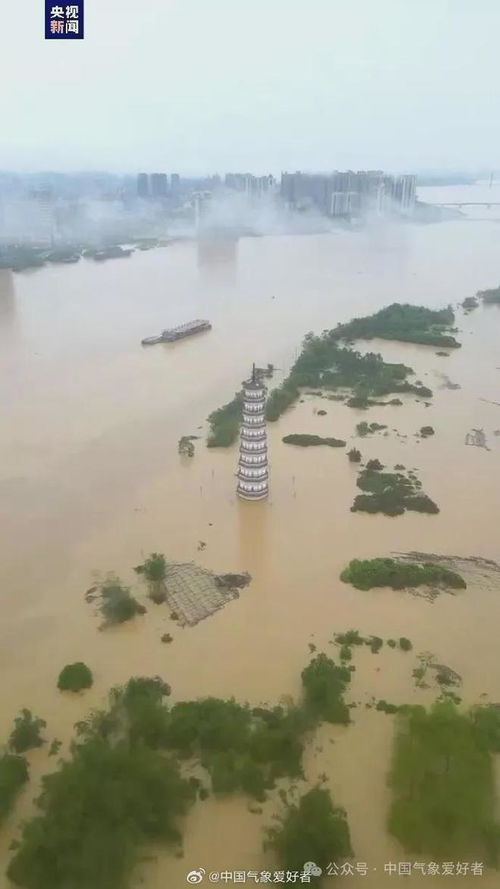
column 477, row 439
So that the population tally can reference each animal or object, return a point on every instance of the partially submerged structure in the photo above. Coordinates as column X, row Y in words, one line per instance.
column 194, row 593
column 253, row 469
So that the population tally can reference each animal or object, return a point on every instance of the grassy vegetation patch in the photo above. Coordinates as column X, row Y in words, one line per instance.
column 365, row 574
column 225, row 423
column 403, row 322
column 307, row 441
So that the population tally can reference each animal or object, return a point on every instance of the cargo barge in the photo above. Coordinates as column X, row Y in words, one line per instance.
column 177, row 333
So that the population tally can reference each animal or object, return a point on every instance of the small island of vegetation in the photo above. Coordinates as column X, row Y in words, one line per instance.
column 365, row 574
column 307, row 441
column 363, row 429
column 403, row 322
column 490, row 297
column 324, row 364
column 391, row 493
column 470, row 303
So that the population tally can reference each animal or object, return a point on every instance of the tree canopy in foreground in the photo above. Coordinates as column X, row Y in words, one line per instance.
column 443, row 782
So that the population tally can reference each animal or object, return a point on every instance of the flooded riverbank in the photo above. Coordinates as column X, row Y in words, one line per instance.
column 90, row 480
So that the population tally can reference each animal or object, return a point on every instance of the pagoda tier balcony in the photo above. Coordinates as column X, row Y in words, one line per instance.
column 253, row 420
column 254, row 447
column 253, row 435
column 254, row 393
column 253, row 431
column 253, row 492
column 250, row 475
column 253, row 458
column 255, row 405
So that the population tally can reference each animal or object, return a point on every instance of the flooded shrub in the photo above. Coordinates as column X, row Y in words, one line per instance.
column 384, row 707
column 186, row 446
column 314, row 829
column 75, row 677
column 324, row 685
column 426, row 431
column 154, row 568
column 405, row 644
column 117, row 603
column 26, row 733
column 351, row 637
column 354, row 455
column 374, row 465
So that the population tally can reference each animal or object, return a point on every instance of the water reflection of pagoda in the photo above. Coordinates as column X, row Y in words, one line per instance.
column 216, row 252
column 253, row 471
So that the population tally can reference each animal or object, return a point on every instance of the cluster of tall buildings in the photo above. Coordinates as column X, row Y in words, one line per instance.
column 158, row 186
column 350, row 194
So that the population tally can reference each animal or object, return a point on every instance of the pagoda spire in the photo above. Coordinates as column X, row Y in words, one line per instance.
column 253, row 468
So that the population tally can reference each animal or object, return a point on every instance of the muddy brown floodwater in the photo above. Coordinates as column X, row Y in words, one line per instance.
column 90, row 481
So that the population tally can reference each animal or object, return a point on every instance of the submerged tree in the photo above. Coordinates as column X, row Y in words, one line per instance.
column 324, row 685
column 117, row 603
column 26, row 733
column 312, row 830
column 154, row 569
column 443, row 785
column 13, row 774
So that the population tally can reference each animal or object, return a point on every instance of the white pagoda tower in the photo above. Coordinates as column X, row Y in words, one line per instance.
column 253, row 474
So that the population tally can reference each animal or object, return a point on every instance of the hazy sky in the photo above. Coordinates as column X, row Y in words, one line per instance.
column 216, row 85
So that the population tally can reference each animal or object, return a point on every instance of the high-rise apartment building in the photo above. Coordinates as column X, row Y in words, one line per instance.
column 158, row 185
column 143, row 185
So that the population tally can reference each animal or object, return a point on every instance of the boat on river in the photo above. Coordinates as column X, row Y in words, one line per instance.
column 178, row 333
